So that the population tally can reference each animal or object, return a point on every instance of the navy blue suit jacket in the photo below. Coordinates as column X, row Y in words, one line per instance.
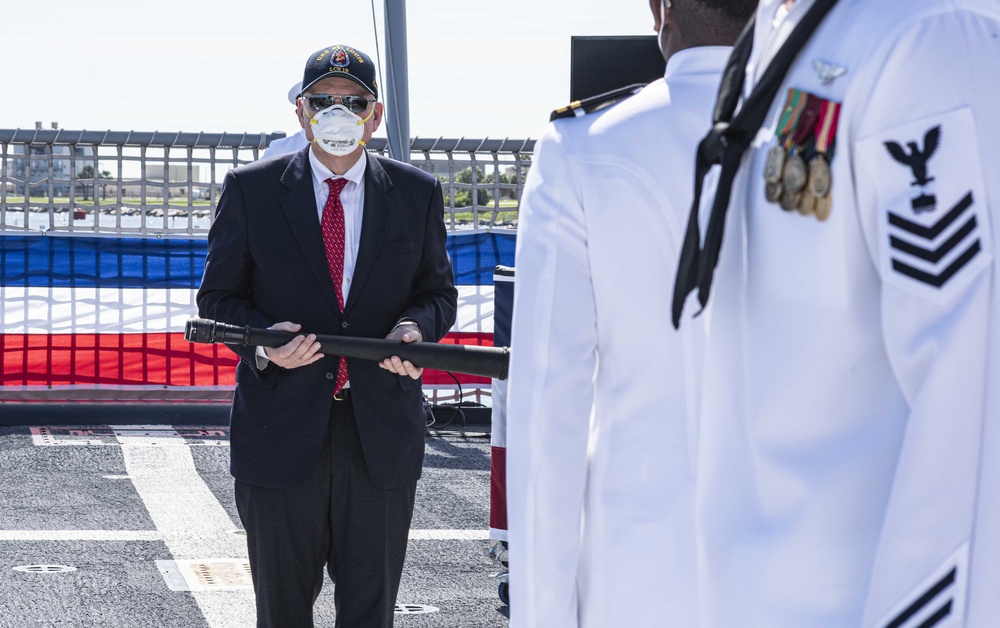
column 266, row 263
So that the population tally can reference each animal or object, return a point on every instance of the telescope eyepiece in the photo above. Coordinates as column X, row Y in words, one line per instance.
column 199, row 330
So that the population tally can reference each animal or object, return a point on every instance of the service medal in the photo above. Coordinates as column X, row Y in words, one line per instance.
column 819, row 176
column 794, row 174
column 823, row 207
column 789, row 199
column 772, row 191
column 775, row 164
column 807, row 202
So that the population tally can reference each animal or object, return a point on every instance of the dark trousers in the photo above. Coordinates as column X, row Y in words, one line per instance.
column 338, row 519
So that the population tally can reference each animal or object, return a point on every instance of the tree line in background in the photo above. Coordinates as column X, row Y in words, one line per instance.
column 87, row 172
column 463, row 198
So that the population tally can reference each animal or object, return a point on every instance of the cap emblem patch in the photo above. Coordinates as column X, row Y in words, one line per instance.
column 340, row 59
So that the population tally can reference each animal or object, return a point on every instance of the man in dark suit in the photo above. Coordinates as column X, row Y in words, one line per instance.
column 326, row 452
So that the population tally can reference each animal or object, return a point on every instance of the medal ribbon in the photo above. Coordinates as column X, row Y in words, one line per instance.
column 826, row 128
column 806, row 123
column 794, row 103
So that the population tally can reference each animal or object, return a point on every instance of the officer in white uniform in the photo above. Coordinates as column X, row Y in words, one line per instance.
column 600, row 472
column 849, row 458
column 291, row 143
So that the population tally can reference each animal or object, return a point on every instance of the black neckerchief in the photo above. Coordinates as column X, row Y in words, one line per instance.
column 725, row 145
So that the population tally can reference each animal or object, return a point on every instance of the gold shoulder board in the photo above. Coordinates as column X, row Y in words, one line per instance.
column 595, row 103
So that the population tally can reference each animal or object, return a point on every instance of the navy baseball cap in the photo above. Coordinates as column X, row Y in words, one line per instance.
column 343, row 61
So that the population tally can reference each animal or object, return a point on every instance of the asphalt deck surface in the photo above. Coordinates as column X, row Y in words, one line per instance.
column 145, row 517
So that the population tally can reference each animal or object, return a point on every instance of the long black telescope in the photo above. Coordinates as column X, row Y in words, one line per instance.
column 469, row 359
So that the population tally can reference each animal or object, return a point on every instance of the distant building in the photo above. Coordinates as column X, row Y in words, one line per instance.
column 174, row 174
column 173, row 179
column 35, row 170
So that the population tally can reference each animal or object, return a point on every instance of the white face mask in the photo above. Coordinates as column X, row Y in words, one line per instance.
column 338, row 131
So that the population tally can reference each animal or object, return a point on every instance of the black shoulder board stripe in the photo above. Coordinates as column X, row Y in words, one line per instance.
column 924, row 600
column 934, row 230
column 595, row 103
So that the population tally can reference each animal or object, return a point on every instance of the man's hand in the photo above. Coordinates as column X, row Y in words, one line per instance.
column 299, row 351
column 406, row 331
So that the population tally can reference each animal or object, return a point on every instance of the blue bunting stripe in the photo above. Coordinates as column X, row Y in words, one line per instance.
column 131, row 262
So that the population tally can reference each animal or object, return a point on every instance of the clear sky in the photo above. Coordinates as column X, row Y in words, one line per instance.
column 477, row 69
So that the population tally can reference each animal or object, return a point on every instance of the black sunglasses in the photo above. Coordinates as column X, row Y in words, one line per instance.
column 354, row 104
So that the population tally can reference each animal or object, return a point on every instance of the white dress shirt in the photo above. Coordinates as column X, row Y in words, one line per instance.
column 352, row 197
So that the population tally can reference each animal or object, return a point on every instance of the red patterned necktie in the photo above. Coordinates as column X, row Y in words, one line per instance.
column 332, row 226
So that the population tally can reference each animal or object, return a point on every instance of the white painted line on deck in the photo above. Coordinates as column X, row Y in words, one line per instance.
column 80, row 535
column 192, row 523
column 449, row 535
column 172, row 575
column 155, row 535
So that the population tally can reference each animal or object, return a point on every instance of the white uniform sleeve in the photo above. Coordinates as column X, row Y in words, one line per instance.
column 920, row 149
column 274, row 148
column 550, row 394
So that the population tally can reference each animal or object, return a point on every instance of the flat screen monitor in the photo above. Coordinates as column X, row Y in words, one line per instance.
column 603, row 64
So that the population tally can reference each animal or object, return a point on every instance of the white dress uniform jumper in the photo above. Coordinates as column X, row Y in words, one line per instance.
column 599, row 459
column 849, row 461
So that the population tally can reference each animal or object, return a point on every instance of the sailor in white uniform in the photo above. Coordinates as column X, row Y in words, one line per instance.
column 291, row 143
column 849, row 461
column 600, row 472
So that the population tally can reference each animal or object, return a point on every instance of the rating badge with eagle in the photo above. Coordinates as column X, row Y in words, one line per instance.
column 934, row 233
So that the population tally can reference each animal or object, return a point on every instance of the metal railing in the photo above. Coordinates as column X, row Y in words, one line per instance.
column 165, row 184
column 96, row 318
column 489, row 199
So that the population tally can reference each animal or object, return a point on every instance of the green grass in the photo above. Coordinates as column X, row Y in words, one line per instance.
column 485, row 215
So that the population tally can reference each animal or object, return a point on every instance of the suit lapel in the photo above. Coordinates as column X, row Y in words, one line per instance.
column 299, row 205
column 375, row 219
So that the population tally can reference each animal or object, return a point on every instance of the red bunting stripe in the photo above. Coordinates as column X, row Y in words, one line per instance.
column 153, row 359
